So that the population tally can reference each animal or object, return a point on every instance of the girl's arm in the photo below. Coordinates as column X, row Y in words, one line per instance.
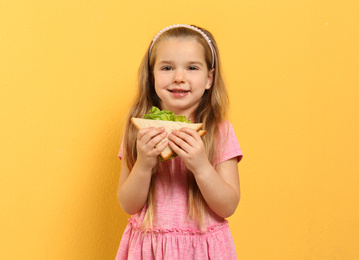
column 134, row 186
column 219, row 186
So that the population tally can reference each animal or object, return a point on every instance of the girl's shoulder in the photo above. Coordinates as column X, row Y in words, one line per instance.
column 225, row 128
column 225, row 124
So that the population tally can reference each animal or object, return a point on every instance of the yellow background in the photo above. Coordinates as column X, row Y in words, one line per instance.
column 67, row 74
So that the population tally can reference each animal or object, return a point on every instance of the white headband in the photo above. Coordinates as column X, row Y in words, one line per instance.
column 185, row 26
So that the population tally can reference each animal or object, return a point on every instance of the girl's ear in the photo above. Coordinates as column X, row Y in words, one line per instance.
column 210, row 79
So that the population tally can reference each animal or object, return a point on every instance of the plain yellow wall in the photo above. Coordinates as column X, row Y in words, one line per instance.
column 67, row 74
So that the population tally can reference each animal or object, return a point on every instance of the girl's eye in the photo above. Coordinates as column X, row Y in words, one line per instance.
column 166, row 68
column 192, row 68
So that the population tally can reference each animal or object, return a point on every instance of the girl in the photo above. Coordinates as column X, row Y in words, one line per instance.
column 179, row 207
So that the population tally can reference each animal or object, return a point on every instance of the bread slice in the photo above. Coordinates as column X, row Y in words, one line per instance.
column 166, row 154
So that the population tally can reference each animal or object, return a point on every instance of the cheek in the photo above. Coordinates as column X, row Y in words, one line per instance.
column 201, row 82
column 160, row 81
column 159, row 85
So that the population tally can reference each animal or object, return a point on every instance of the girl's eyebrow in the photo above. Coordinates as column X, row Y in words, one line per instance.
column 188, row 62
column 164, row 62
column 196, row 62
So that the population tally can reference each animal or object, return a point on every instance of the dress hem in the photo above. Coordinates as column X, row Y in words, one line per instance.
column 135, row 225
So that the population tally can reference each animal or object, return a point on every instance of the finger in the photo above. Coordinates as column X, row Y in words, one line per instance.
column 142, row 132
column 161, row 147
column 156, row 139
column 180, row 139
column 197, row 138
column 145, row 135
column 191, row 132
column 186, row 136
column 178, row 150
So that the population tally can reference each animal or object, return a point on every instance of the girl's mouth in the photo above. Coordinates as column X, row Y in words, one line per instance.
column 178, row 91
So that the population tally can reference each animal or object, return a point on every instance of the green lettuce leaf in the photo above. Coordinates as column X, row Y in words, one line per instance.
column 156, row 114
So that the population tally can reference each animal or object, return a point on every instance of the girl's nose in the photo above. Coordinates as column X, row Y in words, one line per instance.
column 179, row 76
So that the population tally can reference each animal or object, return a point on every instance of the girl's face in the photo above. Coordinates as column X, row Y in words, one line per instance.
column 181, row 75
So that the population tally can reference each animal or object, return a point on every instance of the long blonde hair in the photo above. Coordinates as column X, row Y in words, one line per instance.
column 211, row 111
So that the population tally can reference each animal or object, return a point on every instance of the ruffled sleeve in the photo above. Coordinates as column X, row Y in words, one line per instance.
column 227, row 144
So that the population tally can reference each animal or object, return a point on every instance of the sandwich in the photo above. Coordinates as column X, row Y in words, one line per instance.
column 169, row 121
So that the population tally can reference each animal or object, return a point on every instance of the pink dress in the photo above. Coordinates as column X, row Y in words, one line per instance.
column 174, row 235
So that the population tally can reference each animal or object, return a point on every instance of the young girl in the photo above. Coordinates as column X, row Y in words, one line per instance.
column 179, row 206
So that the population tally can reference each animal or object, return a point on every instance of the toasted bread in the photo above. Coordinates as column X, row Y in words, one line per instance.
column 166, row 154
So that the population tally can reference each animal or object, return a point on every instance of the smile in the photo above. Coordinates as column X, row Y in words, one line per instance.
column 178, row 91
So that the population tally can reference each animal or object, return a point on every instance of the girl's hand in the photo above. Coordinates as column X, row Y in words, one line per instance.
column 147, row 153
column 188, row 144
